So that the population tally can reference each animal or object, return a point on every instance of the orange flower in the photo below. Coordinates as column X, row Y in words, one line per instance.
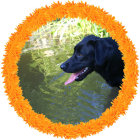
column 41, row 17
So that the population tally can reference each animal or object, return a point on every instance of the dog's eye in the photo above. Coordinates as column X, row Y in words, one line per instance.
column 79, row 54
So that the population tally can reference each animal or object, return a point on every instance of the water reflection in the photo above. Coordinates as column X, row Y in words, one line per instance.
column 76, row 102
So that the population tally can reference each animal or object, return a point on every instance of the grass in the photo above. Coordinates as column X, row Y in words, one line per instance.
column 64, row 31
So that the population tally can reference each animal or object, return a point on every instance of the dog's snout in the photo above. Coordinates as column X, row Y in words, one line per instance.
column 64, row 66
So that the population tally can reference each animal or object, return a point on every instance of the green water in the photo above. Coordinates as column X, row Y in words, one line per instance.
column 42, row 82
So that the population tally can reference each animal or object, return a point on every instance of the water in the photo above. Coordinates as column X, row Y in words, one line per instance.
column 42, row 82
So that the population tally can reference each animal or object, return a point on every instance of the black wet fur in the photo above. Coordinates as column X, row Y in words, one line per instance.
column 98, row 54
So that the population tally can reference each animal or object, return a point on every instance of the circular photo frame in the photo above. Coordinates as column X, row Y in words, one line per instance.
column 14, row 48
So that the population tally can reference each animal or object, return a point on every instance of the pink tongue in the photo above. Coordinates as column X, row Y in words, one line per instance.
column 72, row 77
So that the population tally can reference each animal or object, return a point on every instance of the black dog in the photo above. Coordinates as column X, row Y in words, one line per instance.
column 96, row 54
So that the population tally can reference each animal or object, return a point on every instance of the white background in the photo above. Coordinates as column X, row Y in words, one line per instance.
column 12, row 12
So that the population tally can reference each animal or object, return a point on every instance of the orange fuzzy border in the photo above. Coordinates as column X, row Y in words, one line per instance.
column 41, row 17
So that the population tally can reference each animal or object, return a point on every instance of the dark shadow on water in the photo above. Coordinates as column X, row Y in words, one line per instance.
column 113, row 94
column 72, row 104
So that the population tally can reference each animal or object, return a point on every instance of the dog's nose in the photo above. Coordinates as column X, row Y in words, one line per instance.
column 63, row 66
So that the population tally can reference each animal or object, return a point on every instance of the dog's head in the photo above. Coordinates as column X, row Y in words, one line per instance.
column 87, row 54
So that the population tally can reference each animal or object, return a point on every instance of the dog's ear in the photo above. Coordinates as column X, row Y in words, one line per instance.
column 103, row 51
